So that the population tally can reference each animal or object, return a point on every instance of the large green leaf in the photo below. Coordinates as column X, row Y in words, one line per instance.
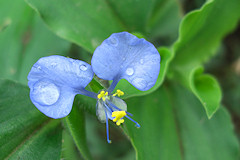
column 13, row 38
column 130, row 91
column 75, row 124
column 86, row 23
column 24, row 41
column 69, row 149
column 174, row 126
column 165, row 19
column 200, row 34
column 42, row 43
column 148, row 17
column 22, row 124
column 44, row 144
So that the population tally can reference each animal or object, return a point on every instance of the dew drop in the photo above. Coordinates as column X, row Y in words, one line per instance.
column 139, row 83
column 141, row 61
column 129, row 71
column 39, row 67
column 45, row 93
column 83, row 67
column 113, row 41
column 53, row 65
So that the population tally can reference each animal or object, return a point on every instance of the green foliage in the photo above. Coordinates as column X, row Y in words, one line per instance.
column 174, row 126
column 75, row 124
column 173, row 122
column 191, row 50
column 24, row 41
column 24, row 131
column 86, row 28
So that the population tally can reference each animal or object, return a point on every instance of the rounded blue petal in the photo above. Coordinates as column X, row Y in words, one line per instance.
column 53, row 100
column 54, row 81
column 64, row 71
column 123, row 55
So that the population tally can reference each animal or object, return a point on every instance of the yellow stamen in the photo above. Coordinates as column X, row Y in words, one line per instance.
column 118, row 116
column 118, row 93
column 119, row 122
column 102, row 95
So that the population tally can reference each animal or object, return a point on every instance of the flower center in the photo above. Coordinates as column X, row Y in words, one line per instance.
column 110, row 107
column 102, row 95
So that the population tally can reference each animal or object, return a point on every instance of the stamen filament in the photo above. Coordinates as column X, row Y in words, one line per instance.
column 108, row 107
column 107, row 128
column 114, row 106
column 87, row 93
column 137, row 125
column 113, row 85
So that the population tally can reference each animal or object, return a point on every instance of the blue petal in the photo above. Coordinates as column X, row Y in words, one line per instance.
column 54, row 81
column 123, row 55
column 63, row 71
column 51, row 99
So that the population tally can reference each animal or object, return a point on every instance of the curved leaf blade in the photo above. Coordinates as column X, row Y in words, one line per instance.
column 201, row 31
column 19, row 118
column 200, row 34
column 44, row 144
column 207, row 89
column 173, row 121
column 75, row 124
column 86, row 23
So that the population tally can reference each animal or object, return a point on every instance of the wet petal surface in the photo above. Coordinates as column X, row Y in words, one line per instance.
column 123, row 55
column 54, row 81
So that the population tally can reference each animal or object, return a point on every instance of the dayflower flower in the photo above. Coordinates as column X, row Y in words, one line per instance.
column 55, row 80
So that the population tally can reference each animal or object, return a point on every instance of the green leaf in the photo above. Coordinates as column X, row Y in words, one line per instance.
column 86, row 23
column 207, row 90
column 75, row 124
column 22, row 124
column 165, row 19
column 44, row 144
column 201, row 31
column 24, row 41
column 200, row 34
column 69, row 149
column 152, row 17
column 174, row 126
column 131, row 91
column 12, row 39
column 42, row 43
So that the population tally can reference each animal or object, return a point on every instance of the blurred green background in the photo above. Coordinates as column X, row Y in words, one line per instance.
column 174, row 114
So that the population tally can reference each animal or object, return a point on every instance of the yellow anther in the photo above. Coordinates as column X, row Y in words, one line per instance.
column 118, row 115
column 118, row 93
column 102, row 95
column 120, row 121
column 103, row 98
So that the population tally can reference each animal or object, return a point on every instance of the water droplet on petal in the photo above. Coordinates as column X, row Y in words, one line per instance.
column 129, row 71
column 45, row 93
column 83, row 67
column 139, row 83
column 53, row 64
column 141, row 61
column 113, row 41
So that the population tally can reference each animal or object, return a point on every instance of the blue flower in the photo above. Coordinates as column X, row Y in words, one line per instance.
column 55, row 80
